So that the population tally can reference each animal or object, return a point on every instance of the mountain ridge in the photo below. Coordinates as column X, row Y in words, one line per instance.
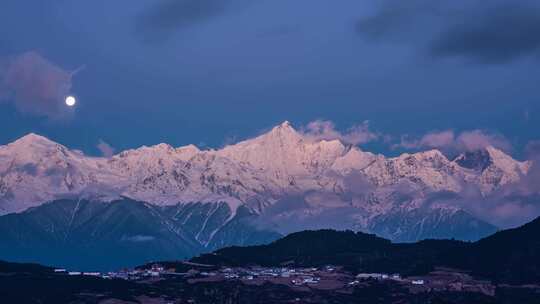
column 284, row 152
column 284, row 179
column 508, row 256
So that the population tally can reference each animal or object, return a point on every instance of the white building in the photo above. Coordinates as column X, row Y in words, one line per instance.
column 377, row 276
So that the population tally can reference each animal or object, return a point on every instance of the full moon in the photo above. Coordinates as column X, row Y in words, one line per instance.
column 70, row 101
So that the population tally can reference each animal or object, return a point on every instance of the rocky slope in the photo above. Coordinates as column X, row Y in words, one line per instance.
column 88, row 235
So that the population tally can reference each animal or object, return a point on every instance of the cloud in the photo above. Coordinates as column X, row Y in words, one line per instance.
column 497, row 35
column 514, row 213
column 440, row 139
column 477, row 139
column 229, row 140
column 356, row 183
column 313, row 210
column 326, row 130
column 105, row 149
column 511, row 205
column 490, row 32
column 531, row 182
column 451, row 142
column 321, row 209
column 35, row 85
column 435, row 139
column 392, row 19
column 165, row 17
column 501, row 211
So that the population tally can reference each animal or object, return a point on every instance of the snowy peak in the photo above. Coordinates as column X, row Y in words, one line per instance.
column 281, row 162
column 426, row 158
column 501, row 159
column 285, row 126
column 283, row 135
column 187, row 152
column 34, row 148
column 284, row 152
column 431, row 154
column 34, row 169
column 477, row 160
column 354, row 160
column 32, row 137
column 33, row 141
column 494, row 168
column 282, row 143
column 490, row 157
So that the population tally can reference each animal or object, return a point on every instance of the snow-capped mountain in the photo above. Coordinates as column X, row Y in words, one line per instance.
column 34, row 170
column 284, row 180
column 492, row 168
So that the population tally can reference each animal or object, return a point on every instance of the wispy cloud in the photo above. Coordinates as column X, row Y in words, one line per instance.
column 511, row 205
column 435, row 139
column 105, row 149
column 449, row 141
column 326, row 130
column 35, row 85
column 478, row 139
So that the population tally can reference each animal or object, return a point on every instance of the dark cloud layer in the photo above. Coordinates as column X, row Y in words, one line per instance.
column 480, row 31
column 498, row 35
column 166, row 16
column 35, row 85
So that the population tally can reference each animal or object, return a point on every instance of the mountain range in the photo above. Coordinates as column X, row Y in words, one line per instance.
column 59, row 206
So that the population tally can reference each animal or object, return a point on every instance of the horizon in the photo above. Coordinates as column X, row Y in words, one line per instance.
column 305, row 135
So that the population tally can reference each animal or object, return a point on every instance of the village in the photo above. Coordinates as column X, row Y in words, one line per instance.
column 293, row 276
column 328, row 277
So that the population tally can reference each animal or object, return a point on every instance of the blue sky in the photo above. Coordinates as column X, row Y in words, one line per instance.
column 211, row 71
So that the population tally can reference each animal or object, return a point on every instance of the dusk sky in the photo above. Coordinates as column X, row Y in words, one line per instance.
column 212, row 72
